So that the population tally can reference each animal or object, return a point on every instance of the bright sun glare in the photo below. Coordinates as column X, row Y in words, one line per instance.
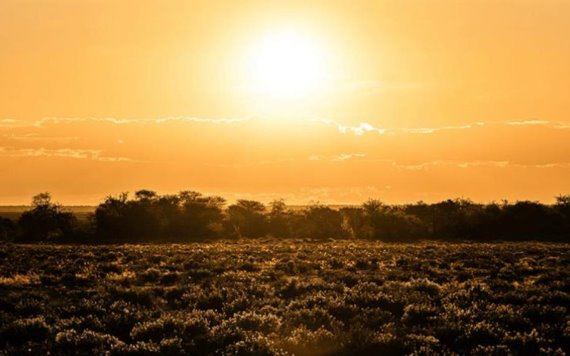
column 285, row 65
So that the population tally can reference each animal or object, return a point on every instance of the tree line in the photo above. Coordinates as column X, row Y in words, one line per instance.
column 191, row 216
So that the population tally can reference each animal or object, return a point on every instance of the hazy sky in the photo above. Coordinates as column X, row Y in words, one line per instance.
column 335, row 101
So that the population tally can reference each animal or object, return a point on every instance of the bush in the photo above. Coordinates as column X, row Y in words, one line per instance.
column 513, row 299
column 46, row 221
column 21, row 331
column 190, row 216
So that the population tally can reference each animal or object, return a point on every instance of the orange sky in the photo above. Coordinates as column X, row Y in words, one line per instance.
column 417, row 100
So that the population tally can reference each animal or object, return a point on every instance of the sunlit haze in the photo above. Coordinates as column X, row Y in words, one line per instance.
column 286, row 65
column 330, row 101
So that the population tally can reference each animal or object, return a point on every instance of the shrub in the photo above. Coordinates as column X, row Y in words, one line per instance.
column 20, row 331
column 86, row 342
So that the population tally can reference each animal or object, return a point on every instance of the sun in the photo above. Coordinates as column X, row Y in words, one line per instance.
column 286, row 64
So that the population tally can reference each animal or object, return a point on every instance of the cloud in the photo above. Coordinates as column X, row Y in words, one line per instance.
column 536, row 122
column 251, row 164
column 547, row 165
column 337, row 158
column 419, row 130
column 95, row 155
column 360, row 129
column 364, row 127
column 420, row 166
column 429, row 130
column 9, row 123
column 458, row 164
column 204, row 120
column 470, row 164
column 528, row 122
column 122, row 121
column 36, row 137
column 561, row 125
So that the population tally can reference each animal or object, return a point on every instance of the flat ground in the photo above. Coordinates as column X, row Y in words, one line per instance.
column 286, row 297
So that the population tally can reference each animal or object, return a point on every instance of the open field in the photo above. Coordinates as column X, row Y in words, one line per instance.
column 286, row 297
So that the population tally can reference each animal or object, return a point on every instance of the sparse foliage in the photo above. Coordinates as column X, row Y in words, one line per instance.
column 45, row 221
column 190, row 216
column 282, row 297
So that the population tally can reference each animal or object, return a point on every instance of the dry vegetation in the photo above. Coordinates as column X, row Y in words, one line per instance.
column 286, row 297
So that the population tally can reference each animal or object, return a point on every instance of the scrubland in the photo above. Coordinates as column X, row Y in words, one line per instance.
column 286, row 297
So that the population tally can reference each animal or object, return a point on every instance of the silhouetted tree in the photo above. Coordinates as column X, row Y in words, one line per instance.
column 321, row 222
column 191, row 216
column 45, row 221
column 562, row 206
column 123, row 220
column 144, row 216
column 146, row 196
column 373, row 219
column 527, row 220
column 279, row 224
column 425, row 212
column 201, row 217
column 111, row 218
column 167, row 210
column 390, row 223
column 188, row 216
column 7, row 229
column 451, row 218
column 247, row 217
column 485, row 224
column 354, row 221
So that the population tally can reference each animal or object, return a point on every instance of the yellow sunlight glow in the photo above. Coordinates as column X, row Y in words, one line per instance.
column 286, row 65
